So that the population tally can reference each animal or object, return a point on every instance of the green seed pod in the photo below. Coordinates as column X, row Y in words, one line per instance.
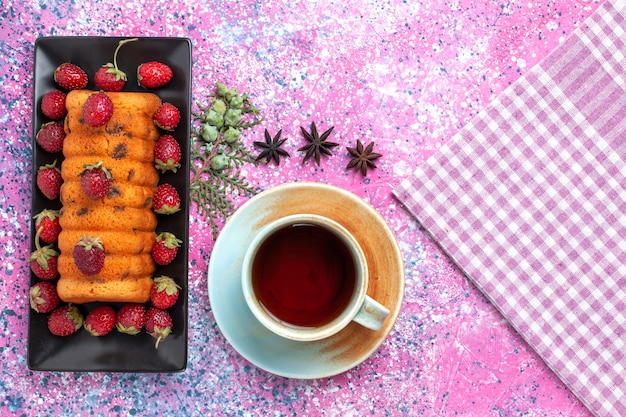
column 232, row 135
column 218, row 106
column 221, row 89
column 225, row 92
column 214, row 118
column 236, row 102
column 208, row 132
column 230, row 94
column 220, row 162
column 232, row 117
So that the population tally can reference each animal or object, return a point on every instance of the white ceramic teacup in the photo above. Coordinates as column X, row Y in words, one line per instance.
column 305, row 277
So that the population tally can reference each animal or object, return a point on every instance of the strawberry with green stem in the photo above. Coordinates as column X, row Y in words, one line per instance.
column 166, row 199
column 165, row 248
column 43, row 297
column 130, row 318
column 100, row 321
column 110, row 77
column 43, row 260
column 167, row 154
column 167, row 116
column 49, row 180
column 158, row 324
column 89, row 255
column 164, row 292
column 95, row 180
column 65, row 320
column 48, row 221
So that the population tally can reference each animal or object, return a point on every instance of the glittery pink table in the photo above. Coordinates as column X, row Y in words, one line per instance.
column 405, row 74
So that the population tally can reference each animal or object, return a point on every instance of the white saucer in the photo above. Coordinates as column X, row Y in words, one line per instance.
column 275, row 354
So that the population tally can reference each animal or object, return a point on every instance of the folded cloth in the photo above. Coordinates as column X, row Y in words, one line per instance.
column 529, row 200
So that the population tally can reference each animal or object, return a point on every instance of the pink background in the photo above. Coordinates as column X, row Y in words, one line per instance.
column 406, row 75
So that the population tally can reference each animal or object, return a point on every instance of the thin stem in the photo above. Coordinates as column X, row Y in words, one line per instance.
column 119, row 45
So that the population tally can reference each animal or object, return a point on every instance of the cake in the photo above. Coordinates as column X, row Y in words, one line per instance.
column 123, row 219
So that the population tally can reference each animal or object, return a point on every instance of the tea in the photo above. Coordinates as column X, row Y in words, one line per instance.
column 304, row 275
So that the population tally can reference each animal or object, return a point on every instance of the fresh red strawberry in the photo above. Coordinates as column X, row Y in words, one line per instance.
column 164, row 292
column 48, row 221
column 97, row 109
column 43, row 260
column 95, row 180
column 43, row 297
column 100, row 321
column 109, row 77
column 166, row 199
column 53, row 104
column 65, row 320
column 158, row 324
column 165, row 248
column 167, row 154
column 51, row 136
column 43, row 263
column 131, row 318
column 153, row 74
column 89, row 255
column 70, row 76
column 49, row 180
column 167, row 116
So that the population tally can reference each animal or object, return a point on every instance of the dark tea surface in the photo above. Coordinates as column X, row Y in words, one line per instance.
column 304, row 275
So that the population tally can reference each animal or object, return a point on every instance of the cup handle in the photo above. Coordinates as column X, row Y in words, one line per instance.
column 372, row 314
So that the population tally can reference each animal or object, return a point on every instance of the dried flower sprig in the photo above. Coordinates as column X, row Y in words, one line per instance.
column 218, row 154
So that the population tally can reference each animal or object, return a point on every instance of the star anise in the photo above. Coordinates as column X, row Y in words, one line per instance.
column 317, row 143
column 362, row 158
column 271, row 148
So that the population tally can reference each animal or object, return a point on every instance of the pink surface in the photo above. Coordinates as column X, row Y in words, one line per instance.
column 406, row 75
column 528, row 199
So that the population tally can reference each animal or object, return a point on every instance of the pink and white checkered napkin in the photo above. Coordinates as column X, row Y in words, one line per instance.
column 529, row 200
